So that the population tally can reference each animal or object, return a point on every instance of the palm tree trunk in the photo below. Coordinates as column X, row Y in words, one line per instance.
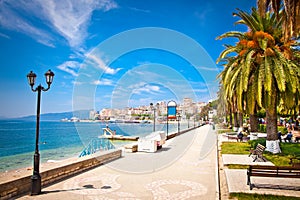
column 230, row 119
column 235, row 120
column 272, row 143
column 240, row 124
column 254, row 123
column 271, row 116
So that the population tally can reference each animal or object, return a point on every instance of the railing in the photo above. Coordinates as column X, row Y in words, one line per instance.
column 95, row 145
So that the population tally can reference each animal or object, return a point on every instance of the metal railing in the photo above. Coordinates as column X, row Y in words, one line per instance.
column 95, row 145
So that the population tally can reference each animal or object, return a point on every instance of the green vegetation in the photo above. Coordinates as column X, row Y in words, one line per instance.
column 235, row 148
column 237, row 166
column 224, row 131
column 261, row 70
column 262, row 128
column 259, row 196
column 289, row 150
column 254, row 143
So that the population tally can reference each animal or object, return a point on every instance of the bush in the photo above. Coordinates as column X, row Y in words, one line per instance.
column 282, row 129
column 263, row 129
column 253, row 143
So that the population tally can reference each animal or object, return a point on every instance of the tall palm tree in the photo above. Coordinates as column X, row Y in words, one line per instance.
column 228, row 80
column 264, row 65
column 290, row 10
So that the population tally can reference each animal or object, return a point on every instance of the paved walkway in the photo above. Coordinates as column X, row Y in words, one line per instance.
column 185, row 168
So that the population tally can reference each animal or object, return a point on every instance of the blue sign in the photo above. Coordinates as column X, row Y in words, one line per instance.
column 171, row 110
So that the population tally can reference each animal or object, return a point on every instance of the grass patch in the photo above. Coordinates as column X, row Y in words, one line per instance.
column 289, row 150
column 235, row 148
column 244, row 196
column 237, row 166
column 220, row 131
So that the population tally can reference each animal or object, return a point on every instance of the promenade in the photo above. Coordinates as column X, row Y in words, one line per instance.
column 185, row 168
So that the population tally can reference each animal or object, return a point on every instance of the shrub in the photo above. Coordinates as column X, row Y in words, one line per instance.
column 262, row 128
column 282, row 129
column 253, row 143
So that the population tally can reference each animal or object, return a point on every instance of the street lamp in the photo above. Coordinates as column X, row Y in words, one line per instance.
column 178, row 119
column 36, row 177
column 153, row 108
column 171, row 113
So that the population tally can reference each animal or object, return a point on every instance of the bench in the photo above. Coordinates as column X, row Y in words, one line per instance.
column 131, row 148
column 258, row 152
column 295, row 162
column 235, row 137
column 272, row 171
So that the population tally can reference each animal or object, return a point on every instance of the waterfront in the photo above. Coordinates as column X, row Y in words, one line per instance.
column 58, row 140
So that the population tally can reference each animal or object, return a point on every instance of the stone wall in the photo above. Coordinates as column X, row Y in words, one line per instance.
column 23, row 185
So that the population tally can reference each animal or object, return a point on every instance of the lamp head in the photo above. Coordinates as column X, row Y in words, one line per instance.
column 151, row 105
column 31, row 78
column 49, row 77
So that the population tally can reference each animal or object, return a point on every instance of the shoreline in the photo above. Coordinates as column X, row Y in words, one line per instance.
column 26, row 171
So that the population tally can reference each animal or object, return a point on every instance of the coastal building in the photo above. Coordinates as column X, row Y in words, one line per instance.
column 188, row 110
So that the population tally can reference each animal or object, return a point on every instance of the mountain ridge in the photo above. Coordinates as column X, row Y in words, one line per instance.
column 81, row 114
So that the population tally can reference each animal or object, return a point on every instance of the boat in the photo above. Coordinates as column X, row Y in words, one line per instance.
column 111, row 135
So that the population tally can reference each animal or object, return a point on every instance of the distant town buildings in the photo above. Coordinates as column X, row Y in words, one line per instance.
column 187, row 110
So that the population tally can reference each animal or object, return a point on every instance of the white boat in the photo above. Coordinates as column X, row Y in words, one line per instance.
column 111, row 135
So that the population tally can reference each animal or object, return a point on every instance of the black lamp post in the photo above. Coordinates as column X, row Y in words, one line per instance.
column 178, row 119
column 36, row 177
column 153, row 108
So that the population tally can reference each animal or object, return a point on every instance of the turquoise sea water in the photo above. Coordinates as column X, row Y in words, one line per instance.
column 58, row 140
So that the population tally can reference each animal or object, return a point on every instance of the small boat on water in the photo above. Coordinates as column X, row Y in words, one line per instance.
column 111, row 135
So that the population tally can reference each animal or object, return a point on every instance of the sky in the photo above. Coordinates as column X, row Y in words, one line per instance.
column 111, row 54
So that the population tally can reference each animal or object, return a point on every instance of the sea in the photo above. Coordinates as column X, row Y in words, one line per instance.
column 60, row 140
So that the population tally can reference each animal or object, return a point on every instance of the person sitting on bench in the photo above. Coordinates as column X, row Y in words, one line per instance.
column 279, row 136
column 288, row 137
column 240, row 136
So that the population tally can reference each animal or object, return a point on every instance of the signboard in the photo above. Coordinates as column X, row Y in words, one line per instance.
column 171, row 108
column 172, row 112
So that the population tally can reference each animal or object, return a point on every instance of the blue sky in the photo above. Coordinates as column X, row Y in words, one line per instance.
column 107, row 53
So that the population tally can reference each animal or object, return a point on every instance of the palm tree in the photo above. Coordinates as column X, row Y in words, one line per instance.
column 229, row 77
column 290, row 10
column 263, row 71
column 222, row 108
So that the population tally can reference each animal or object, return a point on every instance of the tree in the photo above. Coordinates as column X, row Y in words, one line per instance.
column 263, row 69
column 289, row 9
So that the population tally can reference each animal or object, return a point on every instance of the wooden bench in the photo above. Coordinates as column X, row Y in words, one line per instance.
column 232, row 137
column 258, row 152
column 235, row 137
column 272, row 171
column 131, row 148
column 295, row 162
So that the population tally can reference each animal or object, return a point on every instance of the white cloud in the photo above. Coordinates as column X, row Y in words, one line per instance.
column 139, row 10
column 208, row 68
column 70, row 67
column 12, row 20
column 147, row 88
column 69, row 18
column 103, row 81
column 101, row 65
column 5, row 36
